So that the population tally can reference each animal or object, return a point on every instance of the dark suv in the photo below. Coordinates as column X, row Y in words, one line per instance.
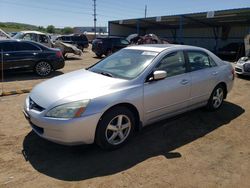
column 15, row 54
column 108, row 45
column 80, row 41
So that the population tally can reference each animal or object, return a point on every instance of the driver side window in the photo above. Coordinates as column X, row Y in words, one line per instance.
column 173, row 64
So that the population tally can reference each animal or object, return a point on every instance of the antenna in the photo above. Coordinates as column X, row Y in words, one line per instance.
column 146, row 11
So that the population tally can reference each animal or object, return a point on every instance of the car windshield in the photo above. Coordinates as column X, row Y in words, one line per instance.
column 19, row 35
column 125, row 64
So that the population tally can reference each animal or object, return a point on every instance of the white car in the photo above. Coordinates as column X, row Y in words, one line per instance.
column 132, row 88
column 242, row 67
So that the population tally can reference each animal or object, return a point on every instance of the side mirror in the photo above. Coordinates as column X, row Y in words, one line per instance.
column 159, row 75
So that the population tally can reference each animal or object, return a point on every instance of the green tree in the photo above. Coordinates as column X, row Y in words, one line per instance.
column 67, row 30
column 41, row 28
column 50, row 29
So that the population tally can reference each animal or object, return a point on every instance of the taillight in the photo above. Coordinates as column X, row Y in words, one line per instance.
column 59, row 54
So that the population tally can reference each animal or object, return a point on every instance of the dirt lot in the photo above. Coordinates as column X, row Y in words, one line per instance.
column 197, row 149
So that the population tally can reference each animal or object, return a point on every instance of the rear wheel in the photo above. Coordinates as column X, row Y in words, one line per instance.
column 43, row 68
column 216, row 99
column 115, row 128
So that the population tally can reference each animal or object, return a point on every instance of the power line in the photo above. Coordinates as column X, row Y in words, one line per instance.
column 95, row 16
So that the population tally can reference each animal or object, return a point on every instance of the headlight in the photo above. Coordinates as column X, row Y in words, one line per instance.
column 69, row 110
column 242, row 60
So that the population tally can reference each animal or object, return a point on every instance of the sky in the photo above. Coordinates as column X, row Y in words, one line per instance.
column 62, row 13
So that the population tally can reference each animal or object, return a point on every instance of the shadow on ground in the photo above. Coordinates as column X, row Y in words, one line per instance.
column 21, row 75
column 85, row 162
column 73, row 58
column 244, row 77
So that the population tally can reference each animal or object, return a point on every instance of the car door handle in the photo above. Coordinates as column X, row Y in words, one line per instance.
column 35, row 53
column 214, row 73
column 184, row 82
column 7, row 54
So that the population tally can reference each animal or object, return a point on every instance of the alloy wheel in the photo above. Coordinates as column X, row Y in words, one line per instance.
column 43, row 68
column 118, row 129
column 218, row 97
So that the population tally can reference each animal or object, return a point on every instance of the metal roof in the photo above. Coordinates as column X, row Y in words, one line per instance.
column 240, row 16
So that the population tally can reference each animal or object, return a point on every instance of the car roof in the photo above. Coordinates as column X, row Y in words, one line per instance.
column 110, row 37
column 10, row 40
column 35, row 32
column 161, row 47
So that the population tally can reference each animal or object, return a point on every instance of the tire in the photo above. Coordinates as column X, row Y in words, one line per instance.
column 98, row 55
column 108, row 53
column 43, row 68
column 115, row 128
column 216, row 99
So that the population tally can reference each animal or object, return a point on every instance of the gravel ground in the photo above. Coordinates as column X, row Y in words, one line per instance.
column 196, row 149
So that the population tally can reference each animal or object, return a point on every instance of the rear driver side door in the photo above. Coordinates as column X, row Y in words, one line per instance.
column 204, row 75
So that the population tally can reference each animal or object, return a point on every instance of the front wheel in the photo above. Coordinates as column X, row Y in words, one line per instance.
column 216, row 99
column 115, row 128
column 43, row 68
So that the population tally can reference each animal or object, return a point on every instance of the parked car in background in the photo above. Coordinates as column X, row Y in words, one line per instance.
column 242, row 66
column 20, row 54
column 4, row 35
column 232, row 51
column 36, row 36
column 80, row 41
column 108, row 45
column 133, row 87
column 45, row 39
column 12, row 34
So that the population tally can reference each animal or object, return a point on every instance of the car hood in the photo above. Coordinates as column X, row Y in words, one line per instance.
column 77, row 85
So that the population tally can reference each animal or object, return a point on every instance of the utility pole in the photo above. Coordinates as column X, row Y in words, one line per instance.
column 146, row 11
column 95, row 17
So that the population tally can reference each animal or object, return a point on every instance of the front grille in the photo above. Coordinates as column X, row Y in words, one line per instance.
column 246, row 67
column 35, row 106
column 238, row 69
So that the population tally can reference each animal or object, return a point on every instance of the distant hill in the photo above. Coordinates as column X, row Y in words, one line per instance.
column 12, row 26
column 15, row 27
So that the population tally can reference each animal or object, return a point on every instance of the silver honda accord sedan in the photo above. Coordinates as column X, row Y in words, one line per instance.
column 136, row 86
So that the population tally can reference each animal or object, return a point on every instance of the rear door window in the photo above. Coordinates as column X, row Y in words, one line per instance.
column 29, row 36
column 199, row 60
column 26, row 47
column 8, row 47
column 43, row 39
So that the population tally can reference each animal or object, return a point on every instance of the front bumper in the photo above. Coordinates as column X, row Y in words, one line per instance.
column 63, row 131
column 243, row 69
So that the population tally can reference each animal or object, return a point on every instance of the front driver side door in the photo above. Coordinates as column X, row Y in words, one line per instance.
column 170, row 95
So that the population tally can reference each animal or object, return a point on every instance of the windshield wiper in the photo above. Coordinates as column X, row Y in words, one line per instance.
column 106, row 74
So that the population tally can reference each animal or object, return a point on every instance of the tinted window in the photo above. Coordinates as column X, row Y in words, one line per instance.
column 173, row 64
column 124, row 42
column 9, row 46
column 29, row 36
column 83, row 37
column 66, row 38
column 116, row 41
column 43, row 39
column 198, row 60
column 25, row 47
